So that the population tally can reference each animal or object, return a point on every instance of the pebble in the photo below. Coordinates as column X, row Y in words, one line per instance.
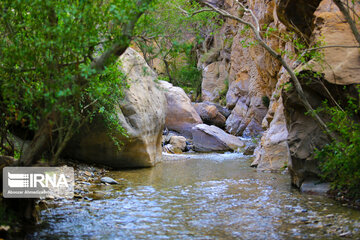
column 304, row 220
column 108, row 180
column 345, row 234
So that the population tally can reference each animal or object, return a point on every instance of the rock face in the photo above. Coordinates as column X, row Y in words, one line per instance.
column 214, row 81
column 246, row 117
column 341, row 68
column 181, row 115
column 274, row 153
column 250, row 72
column 290, row 136
column 210, row 114
column 342, row 64
column 211, row 138
column 304, row 133
column 141, row 113
column 178, row 143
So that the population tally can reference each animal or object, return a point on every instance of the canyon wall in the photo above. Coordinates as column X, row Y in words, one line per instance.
column 260, row 104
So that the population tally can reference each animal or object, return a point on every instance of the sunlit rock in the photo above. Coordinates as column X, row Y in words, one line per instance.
column 181, row 115
column 141, row 113
column 211, row 138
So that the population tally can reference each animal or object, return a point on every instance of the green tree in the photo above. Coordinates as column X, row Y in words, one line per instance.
column 58, row 66
column 170, row 33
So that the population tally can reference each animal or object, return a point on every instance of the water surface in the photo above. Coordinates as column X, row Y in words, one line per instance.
column 207, row 196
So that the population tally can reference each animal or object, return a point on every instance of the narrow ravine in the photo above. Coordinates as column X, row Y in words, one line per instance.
column 201, row 196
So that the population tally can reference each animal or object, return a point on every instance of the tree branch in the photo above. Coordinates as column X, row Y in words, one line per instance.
column 348, row 18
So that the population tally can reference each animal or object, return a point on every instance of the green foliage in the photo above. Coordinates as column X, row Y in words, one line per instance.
column 170, row 32
column 265, row 101
column 188, row 77
column 340, row 160
column 47, row 47
column 223, row 92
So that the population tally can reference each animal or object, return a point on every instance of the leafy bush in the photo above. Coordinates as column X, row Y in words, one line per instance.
column 266, row 101
column 340, row 160
column 189, row 78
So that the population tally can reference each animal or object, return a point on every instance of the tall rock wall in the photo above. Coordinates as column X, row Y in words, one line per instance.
column 250, row 72
column 288, row 135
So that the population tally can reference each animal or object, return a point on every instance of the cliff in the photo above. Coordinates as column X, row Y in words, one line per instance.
column 232, row 58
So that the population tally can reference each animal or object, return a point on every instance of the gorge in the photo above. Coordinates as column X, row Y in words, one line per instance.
column 232, row 155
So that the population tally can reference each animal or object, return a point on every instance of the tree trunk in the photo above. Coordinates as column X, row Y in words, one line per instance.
column 39, row 142
column 348, row 18
column 167, row 68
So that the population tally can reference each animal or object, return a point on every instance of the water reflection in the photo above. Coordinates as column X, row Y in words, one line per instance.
column 214, row 196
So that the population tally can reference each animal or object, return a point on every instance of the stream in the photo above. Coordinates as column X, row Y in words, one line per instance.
column 198, row 196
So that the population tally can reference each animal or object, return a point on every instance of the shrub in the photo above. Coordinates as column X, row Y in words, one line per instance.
column 340, row 160
column 266, row 101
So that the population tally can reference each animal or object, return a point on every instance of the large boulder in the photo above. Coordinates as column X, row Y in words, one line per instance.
column 181, row 116
column 214, row 80
column 246, row 117
column 210, row 114
column 141, row 113
column 274, row 153
column 211, row 138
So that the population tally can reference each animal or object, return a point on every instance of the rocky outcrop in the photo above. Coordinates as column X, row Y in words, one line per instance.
column 210, row 114
column 246, row 117
column 338, row 66
column 274, row 153
column 250, row 72
column 304, row 133
column 291, row 135
column 211, row 138
column 141, row 113
column 181, row 116
column 215, row 76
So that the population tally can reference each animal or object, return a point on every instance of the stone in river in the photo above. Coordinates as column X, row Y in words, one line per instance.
column 108, row 180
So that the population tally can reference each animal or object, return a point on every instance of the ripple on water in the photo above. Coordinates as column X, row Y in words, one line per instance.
column 214, row 196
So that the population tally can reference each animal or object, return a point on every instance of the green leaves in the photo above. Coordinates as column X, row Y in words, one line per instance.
column 340, row 160
column 46, row 51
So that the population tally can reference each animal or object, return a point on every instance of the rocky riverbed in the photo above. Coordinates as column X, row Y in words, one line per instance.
column 193, row 196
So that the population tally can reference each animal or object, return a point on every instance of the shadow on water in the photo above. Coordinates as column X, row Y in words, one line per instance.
column 203, row 196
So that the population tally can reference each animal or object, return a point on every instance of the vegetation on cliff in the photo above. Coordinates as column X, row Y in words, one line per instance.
column 340, row 160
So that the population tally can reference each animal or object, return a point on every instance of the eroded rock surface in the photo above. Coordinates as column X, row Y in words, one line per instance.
column 141, row 113
column 181, row 116
column 210, row 114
